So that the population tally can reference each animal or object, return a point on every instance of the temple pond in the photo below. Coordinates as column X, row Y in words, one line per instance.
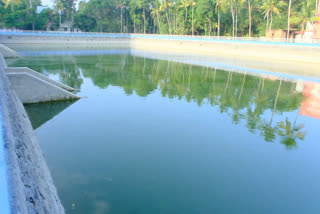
column 161, row 137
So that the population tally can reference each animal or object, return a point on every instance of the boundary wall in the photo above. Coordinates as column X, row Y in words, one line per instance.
column 306, row 51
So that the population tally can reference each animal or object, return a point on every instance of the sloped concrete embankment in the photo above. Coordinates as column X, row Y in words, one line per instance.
column 29, row 183
column 32, row 87
column 12, row 70
column 7, row 52
column 31, row 188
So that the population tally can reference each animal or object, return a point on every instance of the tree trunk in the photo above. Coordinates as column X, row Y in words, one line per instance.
column 210, row 27
column 144, row 21
column 232, row 13
column 289, row 14
column 267, row 28
column 121, row 29
column 250, row 17
column 271, row 21
column 303, row 29
column 175, row 22
column 268, row 18
column 219, row 21
column 134, row 22
column 169, row 28
column 186, row 14
column 60, row 21
column 159, row 22
column 236, row 21
column 192, row 20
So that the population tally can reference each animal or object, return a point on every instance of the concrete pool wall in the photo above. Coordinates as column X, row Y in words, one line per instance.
column 267, row 50
column 290, row 58
column 28, row 186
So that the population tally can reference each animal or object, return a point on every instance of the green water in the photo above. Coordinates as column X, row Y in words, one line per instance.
column 159, row 137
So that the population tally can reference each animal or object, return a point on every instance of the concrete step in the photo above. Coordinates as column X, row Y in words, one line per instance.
column 32, row 89
column 7, row 52
column 9, row 70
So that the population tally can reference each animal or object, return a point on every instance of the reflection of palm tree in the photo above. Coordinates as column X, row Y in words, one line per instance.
column 276, row 101
column 290, row 133
column 268, row 132
column 243, row 82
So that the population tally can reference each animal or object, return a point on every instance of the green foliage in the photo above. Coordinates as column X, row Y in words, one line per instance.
column 198, row 17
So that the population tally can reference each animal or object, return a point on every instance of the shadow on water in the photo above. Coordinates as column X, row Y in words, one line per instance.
column 40, row 113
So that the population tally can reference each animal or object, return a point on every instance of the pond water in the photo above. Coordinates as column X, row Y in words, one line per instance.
column 161, row 137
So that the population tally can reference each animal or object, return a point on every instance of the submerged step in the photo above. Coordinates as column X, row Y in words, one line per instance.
column 32, row 89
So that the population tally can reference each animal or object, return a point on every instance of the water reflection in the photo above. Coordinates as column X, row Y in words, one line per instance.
column 162, row 137
column 261, row 102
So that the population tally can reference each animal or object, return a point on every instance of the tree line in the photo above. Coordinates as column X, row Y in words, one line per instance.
column 176, row 17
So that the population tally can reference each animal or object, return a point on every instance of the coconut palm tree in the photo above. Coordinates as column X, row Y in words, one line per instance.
column 251, row 4
column 193, row 4
column 11, row 2
column 272, row 7
column 185, row 4
column 232, row 5
column 164, row 7
column 220, row 5
column 238, row 5
column 155, row 11
column 122, row 6
column 289, row 14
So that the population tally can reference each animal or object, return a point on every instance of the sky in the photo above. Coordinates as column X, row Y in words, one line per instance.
column 47, row 3
column 50, row 3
